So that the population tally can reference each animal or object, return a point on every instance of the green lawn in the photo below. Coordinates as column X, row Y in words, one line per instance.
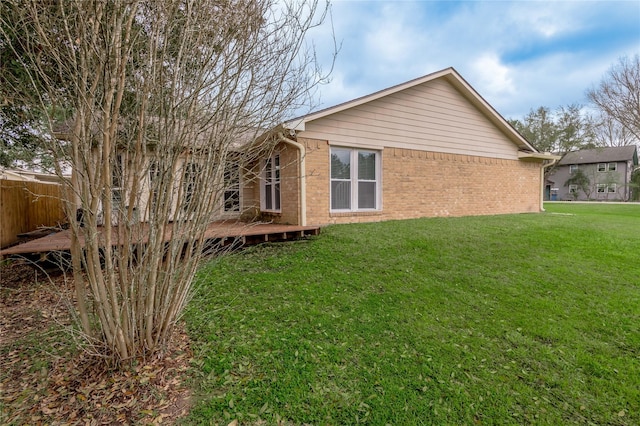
column 531, row 318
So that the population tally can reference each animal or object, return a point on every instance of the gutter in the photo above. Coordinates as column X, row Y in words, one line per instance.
column 303, row 177
column 548, row 163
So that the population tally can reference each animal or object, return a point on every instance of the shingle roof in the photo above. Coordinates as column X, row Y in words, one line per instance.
column 600, row 155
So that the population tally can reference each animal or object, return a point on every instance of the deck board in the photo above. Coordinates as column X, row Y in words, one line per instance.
column 249, row 233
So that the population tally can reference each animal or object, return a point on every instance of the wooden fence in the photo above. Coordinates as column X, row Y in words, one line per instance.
column 27, row 206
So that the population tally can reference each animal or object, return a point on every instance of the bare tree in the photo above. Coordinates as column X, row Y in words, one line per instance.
column 609, row 132
column 158, row 98
column 618, row 95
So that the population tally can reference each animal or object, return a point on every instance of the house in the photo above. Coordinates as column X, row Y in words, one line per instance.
column 594, row 174
column 428, row 147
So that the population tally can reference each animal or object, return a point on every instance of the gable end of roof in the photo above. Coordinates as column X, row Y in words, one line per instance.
column 451, row 76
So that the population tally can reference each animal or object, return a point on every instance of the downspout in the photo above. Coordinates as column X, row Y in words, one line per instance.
column 542, row 180
column 303, row 178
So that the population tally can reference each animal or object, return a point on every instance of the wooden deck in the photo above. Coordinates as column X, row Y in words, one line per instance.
column 217, row 232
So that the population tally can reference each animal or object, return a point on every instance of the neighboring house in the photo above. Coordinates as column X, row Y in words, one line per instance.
column 607, row 170
column 428, row 147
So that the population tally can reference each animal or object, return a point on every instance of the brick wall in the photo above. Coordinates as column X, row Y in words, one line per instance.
column 289, row 184
column 289, row 189
column 426, row 184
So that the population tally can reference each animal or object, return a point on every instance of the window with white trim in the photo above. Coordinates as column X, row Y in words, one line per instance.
column 607, row 167
column 355, row 179
column 231, row 187
column 154, row 179
column 573, row 168
column 190, row 175
column 271, row 184
column 573, row 188
column 117, row 180
column 604, row 188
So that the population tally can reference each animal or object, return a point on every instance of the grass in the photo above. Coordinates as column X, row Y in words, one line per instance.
column 514, row 319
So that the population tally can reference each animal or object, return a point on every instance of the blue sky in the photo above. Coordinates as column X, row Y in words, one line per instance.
column 518, row 55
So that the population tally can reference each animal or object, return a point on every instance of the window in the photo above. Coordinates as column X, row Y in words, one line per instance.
column 604, row 188
column 117, row 180
column 607, row 167
column 232, row 187
column 189, row 180
column 154, row 182
column 355, row 179
column 573, row 168
column 271, row 184
column 573, row 189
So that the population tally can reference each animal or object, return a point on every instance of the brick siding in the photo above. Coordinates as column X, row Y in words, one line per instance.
column 428, row 184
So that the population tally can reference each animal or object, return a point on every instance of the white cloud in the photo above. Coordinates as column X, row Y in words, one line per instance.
column 544, row 18
column 494, row 78
column 518, row 55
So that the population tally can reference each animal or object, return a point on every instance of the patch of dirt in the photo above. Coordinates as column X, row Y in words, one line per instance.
column 44, row 379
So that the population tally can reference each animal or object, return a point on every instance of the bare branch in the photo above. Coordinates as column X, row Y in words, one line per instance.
column 160, row 98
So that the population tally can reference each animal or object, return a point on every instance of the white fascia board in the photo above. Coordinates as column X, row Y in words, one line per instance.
column 539, row 155
column 297, row 124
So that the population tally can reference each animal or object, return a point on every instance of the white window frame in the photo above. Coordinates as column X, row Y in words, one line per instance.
column 117, row 182
column 573, row 188
column 601, row 167
column 271, row 181
column 231, row 187
column 573, row 168
column 601, row 188
column 612, row 167
column 353, row 180
column 612, row 188
column 190, row 183
column 154, row 176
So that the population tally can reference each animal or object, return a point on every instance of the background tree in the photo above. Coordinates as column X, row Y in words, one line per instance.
column 618, row 95
column 539, row 128
column 609, row 132
column 154, row 97
column 634, row 184
column 610, row 180
column 582, row 183
column 575, row 129
column 22, row 143
column 560, row 131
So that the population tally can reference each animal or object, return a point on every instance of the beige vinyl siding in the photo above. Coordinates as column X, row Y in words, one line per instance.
column 432, row 116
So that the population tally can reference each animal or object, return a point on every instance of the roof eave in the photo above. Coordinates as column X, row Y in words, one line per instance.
column 538, row 156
